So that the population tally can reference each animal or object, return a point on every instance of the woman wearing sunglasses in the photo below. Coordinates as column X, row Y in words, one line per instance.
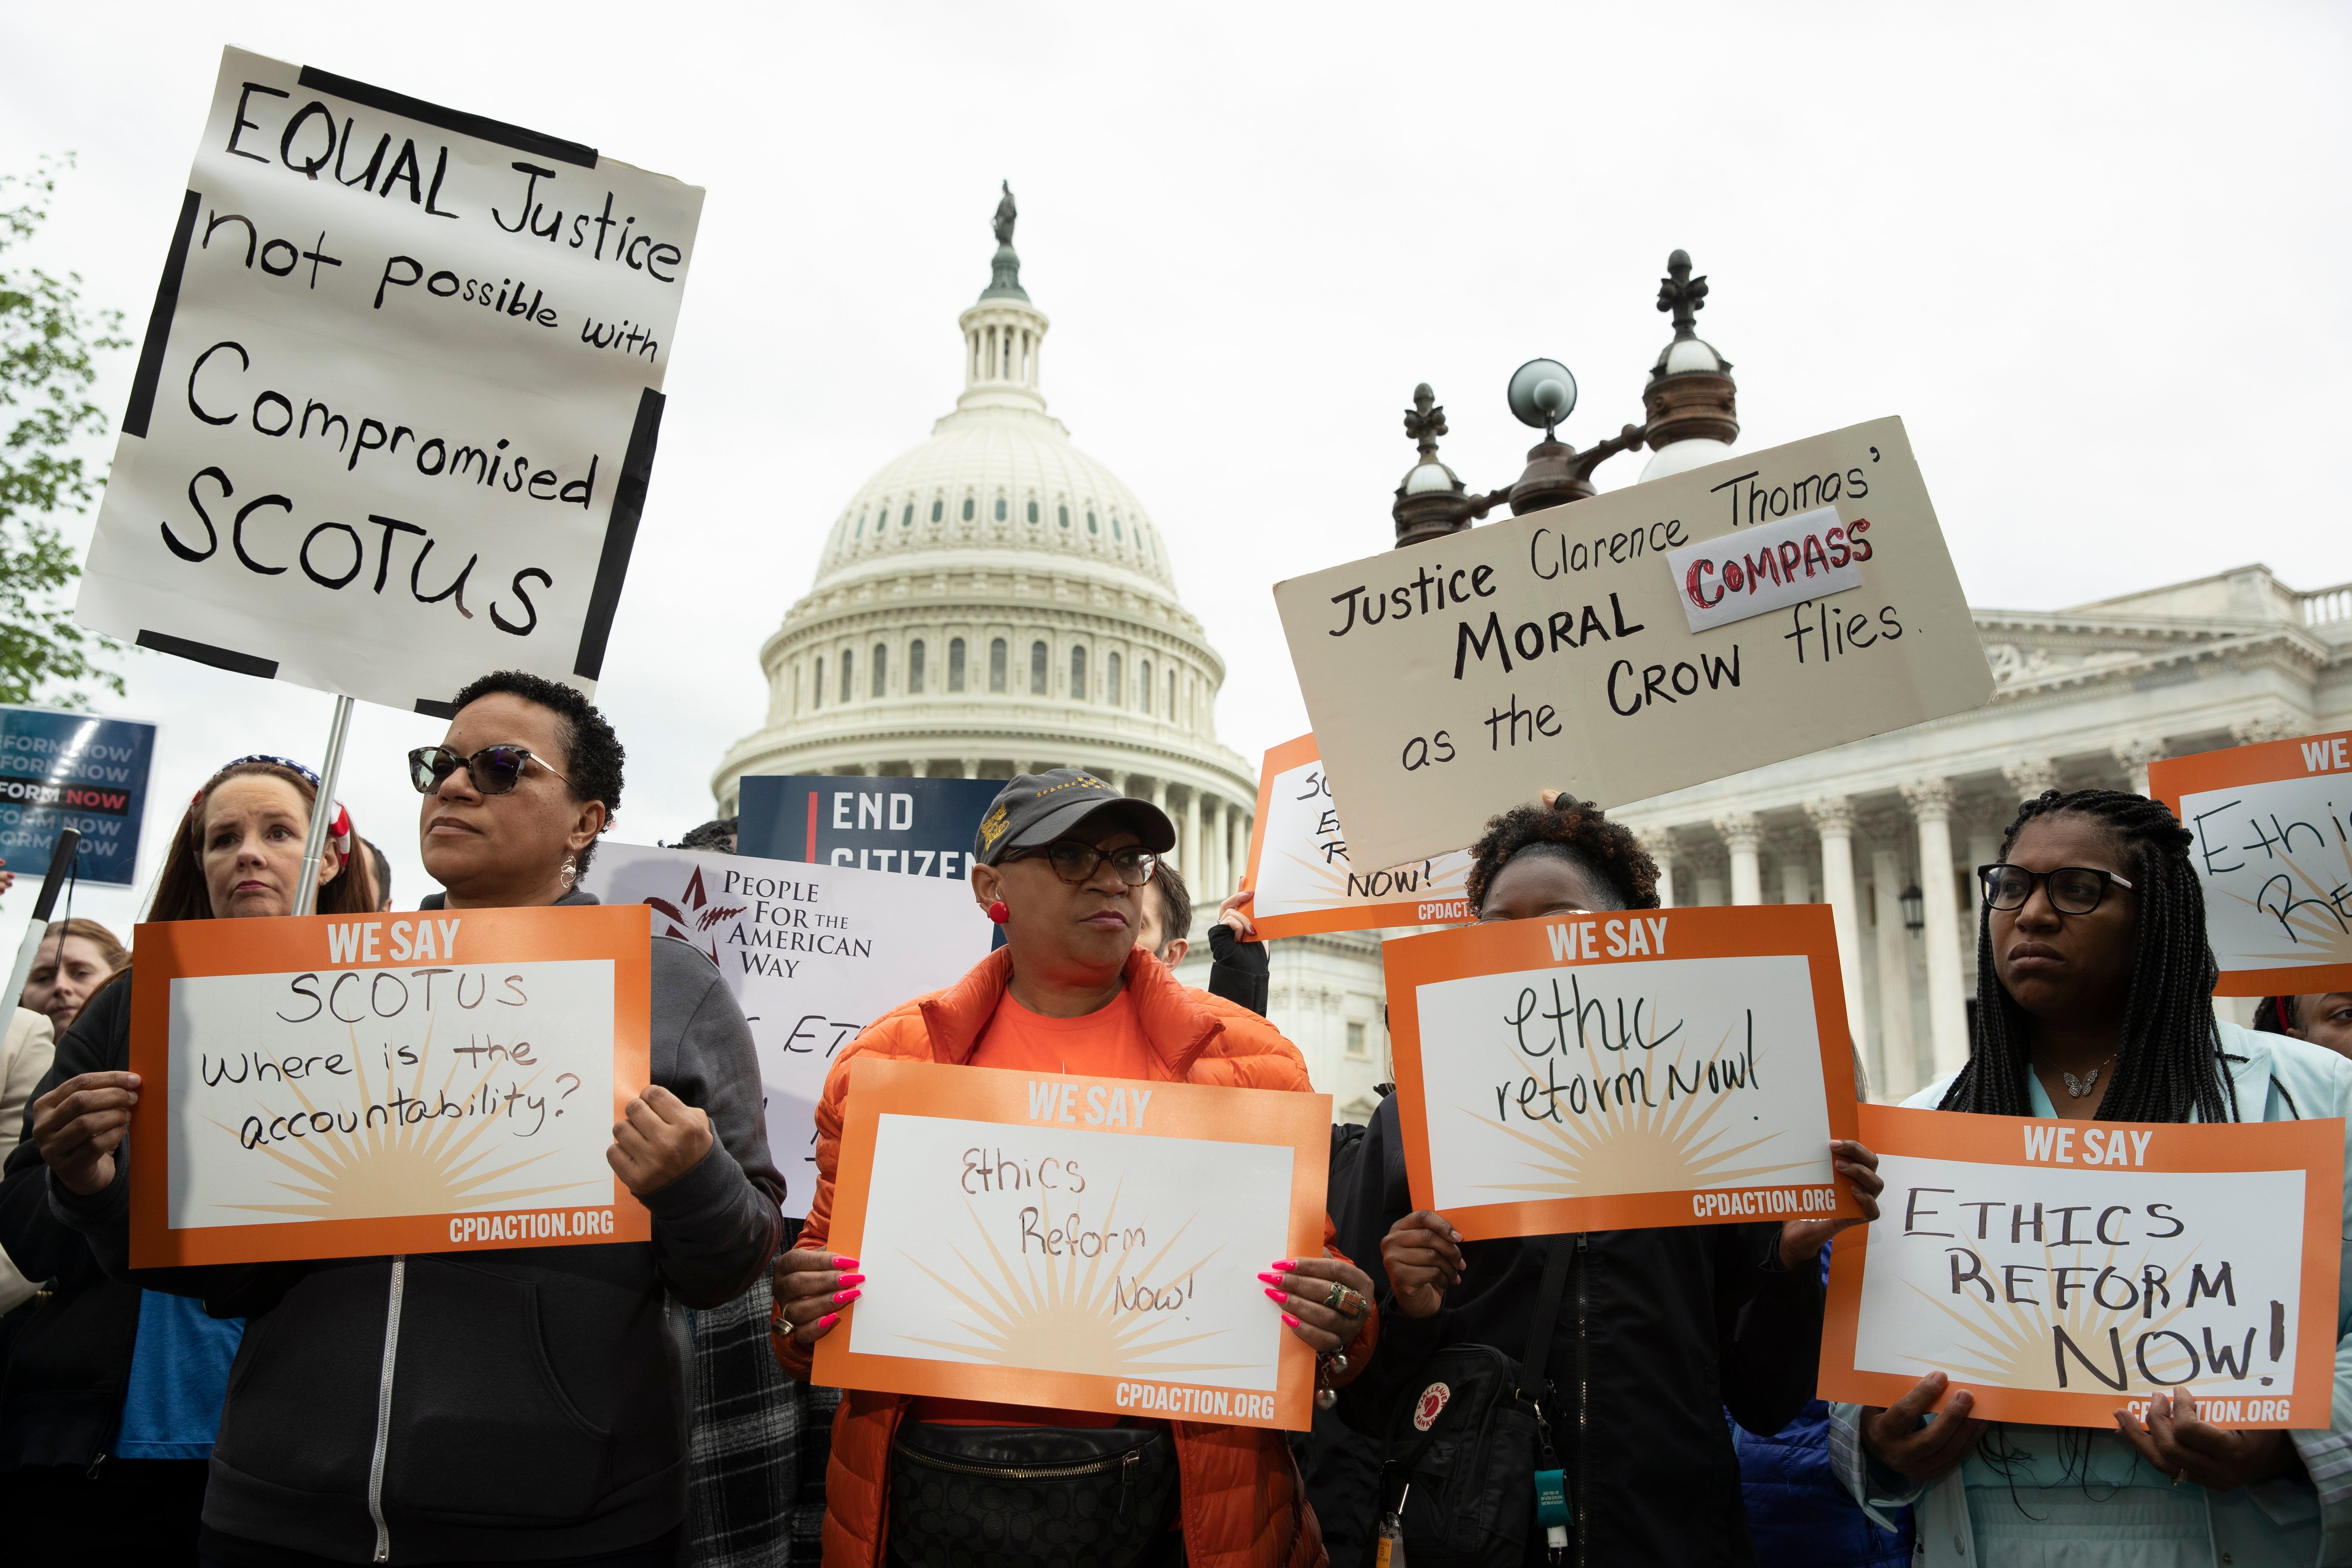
column 1060, row 863
column 523, row 1404
column 2094, row 1001
column 113, row 1393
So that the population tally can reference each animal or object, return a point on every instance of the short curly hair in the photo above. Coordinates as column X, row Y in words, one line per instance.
column 593, row 753
column 1570, row 829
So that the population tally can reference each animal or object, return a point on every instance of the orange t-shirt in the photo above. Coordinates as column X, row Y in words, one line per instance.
column 1108, row 1042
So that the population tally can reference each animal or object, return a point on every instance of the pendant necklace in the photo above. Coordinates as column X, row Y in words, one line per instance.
column 2076, row 1087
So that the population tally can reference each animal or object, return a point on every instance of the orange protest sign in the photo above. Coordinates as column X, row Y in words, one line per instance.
column 2274, row 851
column 1622, row 1070
column 1075, row 1243
column 2058, row 1270
column 341, row 1087
column 1299, row 863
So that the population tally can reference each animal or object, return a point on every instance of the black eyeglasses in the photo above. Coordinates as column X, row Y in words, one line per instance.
column 2074, row 889
column 1074, row 862
column 495, row 769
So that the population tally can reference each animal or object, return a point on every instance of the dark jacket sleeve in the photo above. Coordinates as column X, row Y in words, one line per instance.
column 47, row 1214
column 1768, row 1327
column 37, row 1240
column 1238, row 970
column 715, row 1227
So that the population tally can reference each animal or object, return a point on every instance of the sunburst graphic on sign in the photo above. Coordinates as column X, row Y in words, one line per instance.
column 2308, row 909
column 1090, row 1315
column 365, row 1166
column 2094, row 1344
column 1629, row 1132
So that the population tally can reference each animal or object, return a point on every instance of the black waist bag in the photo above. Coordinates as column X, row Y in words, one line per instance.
column 1466, row 1439
column 1032, row 1497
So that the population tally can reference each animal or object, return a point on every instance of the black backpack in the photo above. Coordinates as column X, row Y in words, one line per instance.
column 1464, row 1443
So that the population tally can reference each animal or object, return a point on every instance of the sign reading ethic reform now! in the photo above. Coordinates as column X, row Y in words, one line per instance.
column 396, row 404
column 1595, row 648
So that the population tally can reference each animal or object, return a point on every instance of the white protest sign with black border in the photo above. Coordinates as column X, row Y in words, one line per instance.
column 1617, row 648
column 813, row 954
column 395, row 408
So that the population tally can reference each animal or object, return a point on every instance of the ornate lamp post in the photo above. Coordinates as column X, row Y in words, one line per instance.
column 1683, row 403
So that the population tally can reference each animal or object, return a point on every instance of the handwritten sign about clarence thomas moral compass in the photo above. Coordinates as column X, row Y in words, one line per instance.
column 1660, row 636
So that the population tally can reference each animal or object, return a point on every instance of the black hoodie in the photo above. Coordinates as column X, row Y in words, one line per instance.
column 517, row 1404
column 1658, row 1332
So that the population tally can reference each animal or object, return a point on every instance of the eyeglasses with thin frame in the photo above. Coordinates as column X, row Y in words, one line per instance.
column 1075, row 862
column 2074, row 889
column 495, row 769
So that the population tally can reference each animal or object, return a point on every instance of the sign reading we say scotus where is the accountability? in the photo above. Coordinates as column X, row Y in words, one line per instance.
column 1586, row 647
column 396, row 405
column 1622, row 1070
column 1083, row 1243
column 2058, row 1270
column 2273, row 848
column 335, row 1087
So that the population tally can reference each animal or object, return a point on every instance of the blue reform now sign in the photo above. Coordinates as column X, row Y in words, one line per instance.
column 73, row 769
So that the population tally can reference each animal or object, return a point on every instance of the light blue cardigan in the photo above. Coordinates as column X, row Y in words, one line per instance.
column 2291, row 1522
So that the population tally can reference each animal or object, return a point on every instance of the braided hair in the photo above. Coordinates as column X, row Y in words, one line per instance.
column 2170, row 1066
column 1573, row 830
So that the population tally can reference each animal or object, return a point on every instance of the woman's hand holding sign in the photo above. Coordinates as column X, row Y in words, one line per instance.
column 1804, row 1238
column 1422, row 1255
column 1327, row 1319
column 812, row 1287
column 1896, row 1438
column 2188, row 1448
column 658, row 1139
column 81, row 1123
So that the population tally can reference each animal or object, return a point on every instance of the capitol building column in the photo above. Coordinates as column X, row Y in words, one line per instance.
column 1834, row 820
column 1660, row 843
column 1897, row 1070
column 1930, row 800
column 1743, row 833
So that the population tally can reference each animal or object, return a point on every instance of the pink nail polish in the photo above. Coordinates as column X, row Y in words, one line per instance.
column 828, row 1320
column 1289, row 1320
column 849, row 1279
column 840, row 1262
column 1277, row 1296
column 1271, row 1278
column 1285, row 1264
column 843, row 1298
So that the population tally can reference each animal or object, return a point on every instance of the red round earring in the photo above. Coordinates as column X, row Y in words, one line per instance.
column 999, row 913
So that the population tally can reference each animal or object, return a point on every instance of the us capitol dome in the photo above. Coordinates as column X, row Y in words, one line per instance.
column 994, row 601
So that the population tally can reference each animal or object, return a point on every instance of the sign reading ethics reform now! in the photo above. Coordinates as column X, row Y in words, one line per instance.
column 396, row 404
column 1619, row 647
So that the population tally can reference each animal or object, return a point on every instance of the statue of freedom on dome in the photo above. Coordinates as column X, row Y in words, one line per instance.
column 1005, row 215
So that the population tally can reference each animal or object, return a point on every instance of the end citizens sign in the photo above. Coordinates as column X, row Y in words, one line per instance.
column 916, row 827
column 71, row 770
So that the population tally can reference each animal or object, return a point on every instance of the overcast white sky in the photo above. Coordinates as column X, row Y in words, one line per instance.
column 2092, row 256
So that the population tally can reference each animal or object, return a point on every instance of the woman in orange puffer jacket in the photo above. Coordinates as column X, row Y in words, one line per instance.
column 1069, row 990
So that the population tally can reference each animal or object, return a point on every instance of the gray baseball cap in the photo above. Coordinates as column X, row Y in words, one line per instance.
column 1038, row 808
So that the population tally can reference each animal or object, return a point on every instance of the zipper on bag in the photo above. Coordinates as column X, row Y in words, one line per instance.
column 383, row 1411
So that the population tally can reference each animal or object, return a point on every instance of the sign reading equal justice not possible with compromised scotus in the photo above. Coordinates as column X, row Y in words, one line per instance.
column 329, row 1086
column 395, row 408
column 1453, row 678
